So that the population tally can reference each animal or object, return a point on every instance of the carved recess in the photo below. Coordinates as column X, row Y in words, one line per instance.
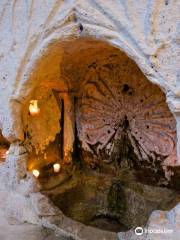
column 122, row 117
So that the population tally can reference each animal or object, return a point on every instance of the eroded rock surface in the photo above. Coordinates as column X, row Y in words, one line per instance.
column 36, row 37
column 110, row 203
column 148, row 32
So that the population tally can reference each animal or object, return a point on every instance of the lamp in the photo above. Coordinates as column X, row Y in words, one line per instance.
column 56, row 167
column 36, row 173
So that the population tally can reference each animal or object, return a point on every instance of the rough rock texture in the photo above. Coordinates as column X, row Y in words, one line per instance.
column 4, row 146
column 148, row 32
column 23, row 204
column 10, row 230
column 41, row 134
column 26, row 232
column 40, row 130
column 161, row 225
column 116, row 102
column 103, row 201
column 16, row 164
column 34, row 38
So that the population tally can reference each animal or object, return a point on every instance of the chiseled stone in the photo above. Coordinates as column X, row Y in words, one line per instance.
column 161, row 225
column 31, row 40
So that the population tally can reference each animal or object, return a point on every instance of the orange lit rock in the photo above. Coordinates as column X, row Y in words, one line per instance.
column 33, row 108
column 69, row 125
column 46, row 44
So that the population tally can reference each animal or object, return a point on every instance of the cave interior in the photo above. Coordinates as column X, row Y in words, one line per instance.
column 110, row 131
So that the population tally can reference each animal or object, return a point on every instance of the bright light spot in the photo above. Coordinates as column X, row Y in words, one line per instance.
column 7, row 152
column 36, row 173
column 56, row 167
column 33, row 107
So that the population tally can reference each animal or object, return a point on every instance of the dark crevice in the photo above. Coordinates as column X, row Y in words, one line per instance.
column 62, row 129
column 125, row 88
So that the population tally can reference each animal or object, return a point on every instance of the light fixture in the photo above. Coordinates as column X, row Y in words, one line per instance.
column 36, row 173
column 33, row 107
column 56, row 167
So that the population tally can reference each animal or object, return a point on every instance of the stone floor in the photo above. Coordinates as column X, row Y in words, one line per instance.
column 158, row 220
column 24, row 231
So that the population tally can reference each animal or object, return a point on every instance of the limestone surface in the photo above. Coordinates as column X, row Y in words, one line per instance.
column 35, row 37
column 148, row 32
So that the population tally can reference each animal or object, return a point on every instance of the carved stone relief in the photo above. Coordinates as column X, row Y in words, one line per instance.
column 117, row 106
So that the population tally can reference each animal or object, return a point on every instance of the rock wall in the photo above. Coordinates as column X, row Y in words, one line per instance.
column 148, row 32
column 32, row 34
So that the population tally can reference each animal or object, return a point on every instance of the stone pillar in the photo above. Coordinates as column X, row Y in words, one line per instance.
column 69, row 125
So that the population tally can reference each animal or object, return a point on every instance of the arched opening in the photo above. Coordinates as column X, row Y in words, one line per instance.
column 110, row 131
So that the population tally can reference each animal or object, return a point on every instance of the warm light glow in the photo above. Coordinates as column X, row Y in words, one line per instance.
column 36, row 173
column 33, row 107
column 56, row 167
column 7, row 152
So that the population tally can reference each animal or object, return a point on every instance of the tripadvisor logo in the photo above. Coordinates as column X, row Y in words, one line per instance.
column 139, row 231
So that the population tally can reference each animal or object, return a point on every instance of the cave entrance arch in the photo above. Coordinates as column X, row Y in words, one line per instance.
column 122, row 128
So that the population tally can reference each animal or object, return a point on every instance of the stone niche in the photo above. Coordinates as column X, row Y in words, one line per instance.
column 102, row 115
column 111, row 131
